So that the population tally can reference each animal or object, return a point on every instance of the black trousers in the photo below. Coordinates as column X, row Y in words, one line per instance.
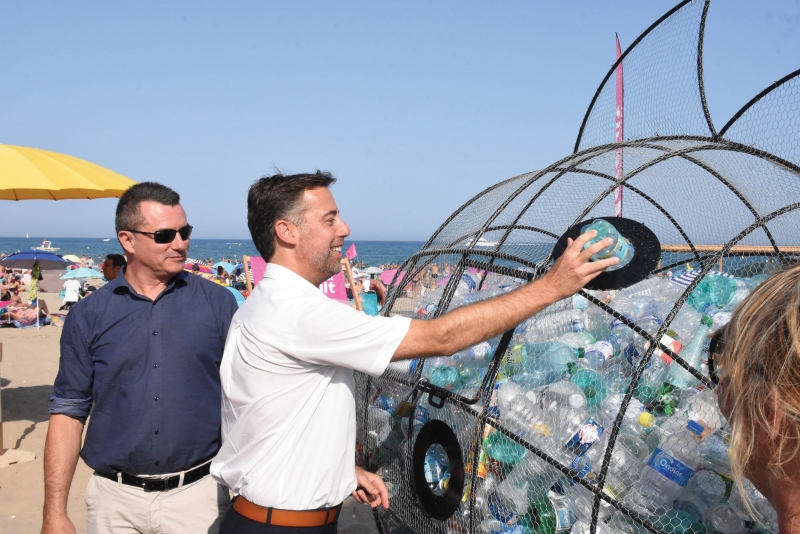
column 236, row 523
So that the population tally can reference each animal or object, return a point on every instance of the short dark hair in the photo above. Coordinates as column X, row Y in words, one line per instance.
column 129, row 217
column 277, row 197
column 118, row 260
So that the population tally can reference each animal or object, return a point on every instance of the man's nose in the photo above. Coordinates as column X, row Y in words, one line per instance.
column 344, row 230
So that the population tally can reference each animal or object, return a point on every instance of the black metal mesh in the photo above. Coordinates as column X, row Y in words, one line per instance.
column 725, row 209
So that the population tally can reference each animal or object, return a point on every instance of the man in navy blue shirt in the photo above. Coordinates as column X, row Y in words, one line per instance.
column 145, row 350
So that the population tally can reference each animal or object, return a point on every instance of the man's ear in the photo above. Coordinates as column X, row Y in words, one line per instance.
column 286, row 232
column 126, row 241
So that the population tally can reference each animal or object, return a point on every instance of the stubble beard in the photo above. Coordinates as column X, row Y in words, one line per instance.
column 325, row 264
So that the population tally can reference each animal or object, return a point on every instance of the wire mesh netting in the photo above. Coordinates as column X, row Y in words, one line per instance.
column 597, row 414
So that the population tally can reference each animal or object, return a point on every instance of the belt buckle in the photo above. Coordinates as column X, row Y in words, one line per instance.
column 152, row 484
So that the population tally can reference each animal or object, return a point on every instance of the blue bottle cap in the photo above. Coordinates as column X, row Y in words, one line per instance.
column 695, row 427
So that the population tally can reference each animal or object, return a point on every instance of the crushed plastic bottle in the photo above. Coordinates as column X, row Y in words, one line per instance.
column 620, row 248
column 666, row 472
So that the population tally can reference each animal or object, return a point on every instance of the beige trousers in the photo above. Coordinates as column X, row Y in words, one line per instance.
column 116, row 508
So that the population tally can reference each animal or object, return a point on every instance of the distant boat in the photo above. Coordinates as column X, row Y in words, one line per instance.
column 107, row 239
column 26, row 235
column 47, row 246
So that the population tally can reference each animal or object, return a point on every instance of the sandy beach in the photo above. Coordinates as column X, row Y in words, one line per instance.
column 28, row 369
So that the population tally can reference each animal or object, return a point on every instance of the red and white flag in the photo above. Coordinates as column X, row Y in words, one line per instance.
column 351, row 252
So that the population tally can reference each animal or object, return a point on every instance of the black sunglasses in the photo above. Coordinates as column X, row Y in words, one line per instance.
column 167, row 235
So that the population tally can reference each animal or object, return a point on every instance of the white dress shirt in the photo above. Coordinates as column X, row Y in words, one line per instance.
column 288, row 398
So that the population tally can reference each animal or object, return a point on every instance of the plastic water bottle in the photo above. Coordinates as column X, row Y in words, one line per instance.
column 723, row 519
column 545, row 327
column 558, row 357
column 649, row 287
column 584, row 526
column 685, row 323
column 636, row 417
column 578, row 338
column 620, row 247
column 666, row 472
column 551, row 515
column 704, row 490
column 599, row 353
column 558, row 395
column 591, row 383
column 444, row 376
column 692, row 354
column 437, row 469
column 521, row 415
column 574, row 432
column 417, row 420
column 663, row 428
column 477, row 356
column 721, row 291
column 713, row 447
column 582, row 500
column 503, row 449
column 510, row 500
column 702, row 404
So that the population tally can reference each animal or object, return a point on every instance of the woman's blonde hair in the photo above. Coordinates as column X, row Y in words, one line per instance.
column 761, row 366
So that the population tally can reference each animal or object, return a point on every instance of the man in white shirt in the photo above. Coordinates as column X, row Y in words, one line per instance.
column 72, row 292
column 288, row 406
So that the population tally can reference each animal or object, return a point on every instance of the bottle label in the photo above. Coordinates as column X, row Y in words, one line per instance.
column 515, row 356
column 385, row 403
column 388, row 441
column 587, row 434
column 582, row 465
column 671, row 344
column 670, row 467
column 500, row 511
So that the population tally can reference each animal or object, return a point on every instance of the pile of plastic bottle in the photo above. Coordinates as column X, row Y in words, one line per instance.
column 560, row 386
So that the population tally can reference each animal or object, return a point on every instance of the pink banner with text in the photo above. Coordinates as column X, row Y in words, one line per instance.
column 333, row 287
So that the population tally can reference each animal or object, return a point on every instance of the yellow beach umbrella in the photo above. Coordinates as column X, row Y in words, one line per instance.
column 32, row 173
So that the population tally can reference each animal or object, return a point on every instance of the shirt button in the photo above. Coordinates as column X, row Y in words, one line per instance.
column 154, row 332
column 157, row 462
column 155, row 398
column 156, row 431
column 155, row 366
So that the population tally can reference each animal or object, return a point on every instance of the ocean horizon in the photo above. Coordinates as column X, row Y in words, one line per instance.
column 370, row 252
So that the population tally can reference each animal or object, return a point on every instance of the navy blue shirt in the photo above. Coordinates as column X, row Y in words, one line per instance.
column 151, row 367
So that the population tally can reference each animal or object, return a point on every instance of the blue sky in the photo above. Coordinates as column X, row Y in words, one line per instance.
column 414, row 106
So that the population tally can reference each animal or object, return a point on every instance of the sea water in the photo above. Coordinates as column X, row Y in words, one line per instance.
column 370, row 252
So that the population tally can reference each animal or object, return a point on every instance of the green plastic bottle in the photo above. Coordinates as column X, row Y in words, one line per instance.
column 692, row 354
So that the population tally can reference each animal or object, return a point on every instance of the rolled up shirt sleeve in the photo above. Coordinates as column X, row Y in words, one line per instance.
column 73, row 385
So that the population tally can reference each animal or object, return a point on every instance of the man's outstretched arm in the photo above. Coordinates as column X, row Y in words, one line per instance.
column 468, row 325
column 61, row 450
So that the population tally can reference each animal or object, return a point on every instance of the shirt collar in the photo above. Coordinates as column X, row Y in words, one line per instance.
column 120, row 283
column 287, row 276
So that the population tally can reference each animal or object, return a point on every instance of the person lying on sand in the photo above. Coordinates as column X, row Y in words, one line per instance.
column 25, row 315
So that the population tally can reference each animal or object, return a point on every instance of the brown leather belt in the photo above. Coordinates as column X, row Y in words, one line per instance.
column 286, row 518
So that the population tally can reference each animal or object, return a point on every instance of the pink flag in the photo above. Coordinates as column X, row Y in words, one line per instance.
column 333, row 287
column 618, row 130
column 257, row 266
column 388, row 275
column 351, row 252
